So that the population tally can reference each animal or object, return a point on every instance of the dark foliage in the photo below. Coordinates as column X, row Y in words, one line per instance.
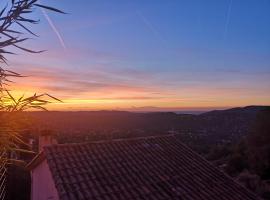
column 258, row 144
column 15, row 14
column 250, row 158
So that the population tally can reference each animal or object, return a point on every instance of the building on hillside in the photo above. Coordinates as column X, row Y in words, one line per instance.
column 156, row 168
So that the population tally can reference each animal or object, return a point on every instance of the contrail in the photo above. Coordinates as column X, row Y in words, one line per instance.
column 54, row 29
column 151, row 27
column 228, row 19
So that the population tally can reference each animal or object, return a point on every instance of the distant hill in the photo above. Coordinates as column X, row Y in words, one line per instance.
column 229, row 124
column 216, row 125
column 240, row 110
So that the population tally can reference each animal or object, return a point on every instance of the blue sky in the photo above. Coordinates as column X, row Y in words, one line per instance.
column 177, row 54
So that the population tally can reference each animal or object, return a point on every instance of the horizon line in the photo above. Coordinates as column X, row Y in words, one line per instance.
column 153, row 109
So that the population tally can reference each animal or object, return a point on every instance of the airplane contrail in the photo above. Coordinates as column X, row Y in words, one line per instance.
column 60, row 38
column 228, row 16
column 151, row 27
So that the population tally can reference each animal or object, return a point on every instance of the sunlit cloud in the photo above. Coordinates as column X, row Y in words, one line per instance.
column 108, row 89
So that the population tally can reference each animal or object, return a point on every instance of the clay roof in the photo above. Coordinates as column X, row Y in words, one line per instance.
column 146, row 168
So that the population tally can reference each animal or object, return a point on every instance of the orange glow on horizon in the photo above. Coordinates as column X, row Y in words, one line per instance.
column 118, row 100
column 87, row 95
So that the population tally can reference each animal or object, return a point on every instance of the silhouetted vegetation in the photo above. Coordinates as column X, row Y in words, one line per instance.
column 15, row 14
column 249, row 159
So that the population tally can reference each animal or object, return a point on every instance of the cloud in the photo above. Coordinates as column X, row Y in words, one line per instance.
column 88, row 83
column 107, row 87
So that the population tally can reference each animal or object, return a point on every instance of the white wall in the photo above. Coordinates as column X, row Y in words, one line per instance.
column 42, row 186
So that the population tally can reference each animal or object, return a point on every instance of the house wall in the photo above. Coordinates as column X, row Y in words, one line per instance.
column 42, row 184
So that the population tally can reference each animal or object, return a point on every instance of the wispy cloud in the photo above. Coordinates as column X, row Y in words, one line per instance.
column 55, row 30
column 94, row 83
column 100, row 90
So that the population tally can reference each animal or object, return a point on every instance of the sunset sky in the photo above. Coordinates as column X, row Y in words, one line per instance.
column 149, row 54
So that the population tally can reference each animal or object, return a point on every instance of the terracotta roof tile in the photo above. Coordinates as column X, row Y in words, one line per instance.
column 146, row 168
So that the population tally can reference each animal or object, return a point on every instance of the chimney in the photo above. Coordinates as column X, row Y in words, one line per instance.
column 46, row 138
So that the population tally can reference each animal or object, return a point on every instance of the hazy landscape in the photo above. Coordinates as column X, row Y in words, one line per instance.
column 230, row 138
